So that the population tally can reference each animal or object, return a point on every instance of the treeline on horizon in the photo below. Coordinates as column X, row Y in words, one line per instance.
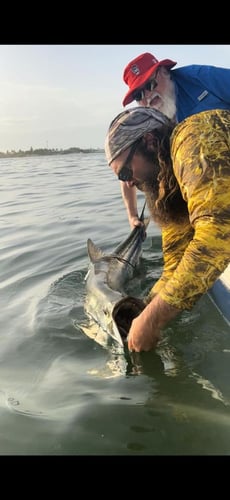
column 46, row 151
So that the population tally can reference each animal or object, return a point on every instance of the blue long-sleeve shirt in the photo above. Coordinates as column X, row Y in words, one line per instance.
column 199, row 88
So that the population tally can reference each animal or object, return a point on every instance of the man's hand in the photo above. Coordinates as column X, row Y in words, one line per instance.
column 134, row 221
column 142, row 336
column 145, row 331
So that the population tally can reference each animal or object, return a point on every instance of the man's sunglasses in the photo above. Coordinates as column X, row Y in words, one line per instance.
column 140, row 93
column 126, row 173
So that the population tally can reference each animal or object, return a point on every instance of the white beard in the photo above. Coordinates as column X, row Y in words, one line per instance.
column 169, row 107
column 167, row 103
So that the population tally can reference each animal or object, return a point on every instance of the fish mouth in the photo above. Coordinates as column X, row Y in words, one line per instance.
column 124, row 312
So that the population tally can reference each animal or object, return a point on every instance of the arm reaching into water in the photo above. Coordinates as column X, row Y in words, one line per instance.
column 145, row 331
column 196, row 253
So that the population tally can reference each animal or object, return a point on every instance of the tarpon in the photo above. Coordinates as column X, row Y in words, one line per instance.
column 106, row 302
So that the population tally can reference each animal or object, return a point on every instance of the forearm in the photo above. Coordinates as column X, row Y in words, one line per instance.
column 145, row 331
column 159, row 312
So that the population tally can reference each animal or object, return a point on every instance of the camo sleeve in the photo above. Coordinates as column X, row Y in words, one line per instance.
column 175, row 240
column 195, row 255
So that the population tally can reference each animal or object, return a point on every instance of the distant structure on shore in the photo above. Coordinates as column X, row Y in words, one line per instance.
column 46, row 151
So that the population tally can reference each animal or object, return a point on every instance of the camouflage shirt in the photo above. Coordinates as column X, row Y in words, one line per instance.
column 197, row 252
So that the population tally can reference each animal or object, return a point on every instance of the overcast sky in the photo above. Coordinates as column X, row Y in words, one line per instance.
column 61, row 96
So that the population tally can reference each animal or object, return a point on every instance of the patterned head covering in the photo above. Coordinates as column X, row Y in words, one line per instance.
column 129, row 126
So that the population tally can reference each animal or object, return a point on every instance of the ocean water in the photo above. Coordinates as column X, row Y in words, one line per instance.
column 62, row 393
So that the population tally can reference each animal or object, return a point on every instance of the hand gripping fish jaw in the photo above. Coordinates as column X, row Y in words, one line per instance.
column 124, row 312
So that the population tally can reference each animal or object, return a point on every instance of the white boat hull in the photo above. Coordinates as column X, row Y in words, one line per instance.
column 220, row 294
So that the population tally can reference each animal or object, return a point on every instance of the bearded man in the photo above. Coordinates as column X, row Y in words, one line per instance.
column 184, row 171
column 178, row 93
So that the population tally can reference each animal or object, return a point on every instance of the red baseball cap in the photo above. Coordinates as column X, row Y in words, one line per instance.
column 139, row 70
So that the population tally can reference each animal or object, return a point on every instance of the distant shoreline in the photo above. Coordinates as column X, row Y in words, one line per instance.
column 45, row 152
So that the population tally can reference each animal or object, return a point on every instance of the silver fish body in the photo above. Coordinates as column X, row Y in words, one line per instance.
column 106, row 302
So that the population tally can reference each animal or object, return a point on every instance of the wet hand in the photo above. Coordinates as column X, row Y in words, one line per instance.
column 145, row 331
column 143, row 336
